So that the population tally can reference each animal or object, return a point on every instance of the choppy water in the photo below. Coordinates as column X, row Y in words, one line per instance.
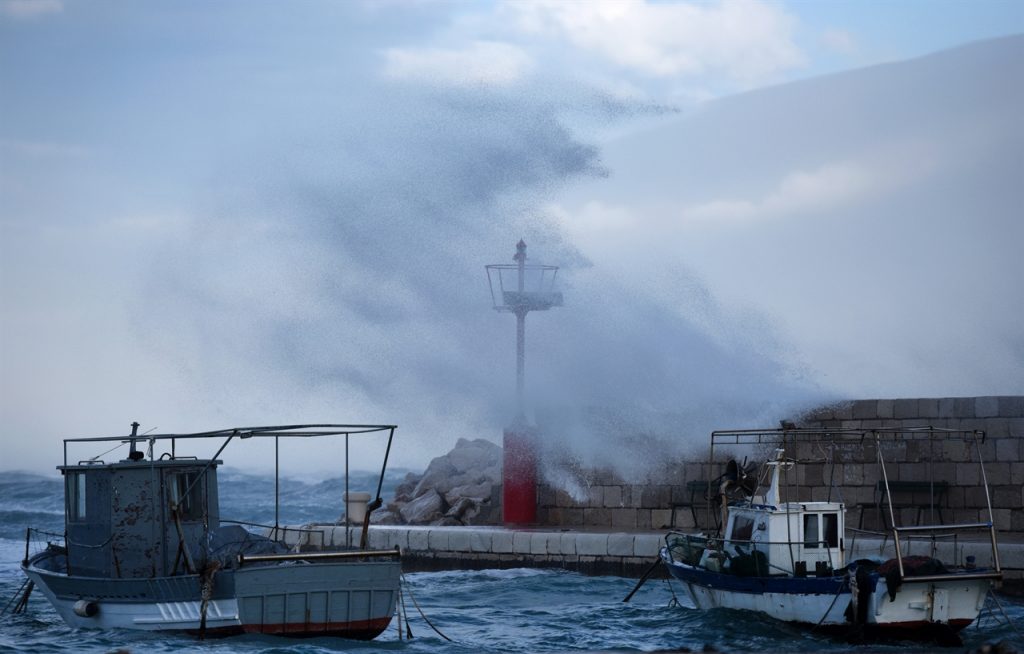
column 482, row 611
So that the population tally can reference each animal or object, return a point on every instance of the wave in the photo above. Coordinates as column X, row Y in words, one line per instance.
column 33, row 500
column 14, row 523
column 30, row 500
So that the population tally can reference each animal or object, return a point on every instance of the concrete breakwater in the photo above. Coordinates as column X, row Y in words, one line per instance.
column 593, row 552
column 619, row 524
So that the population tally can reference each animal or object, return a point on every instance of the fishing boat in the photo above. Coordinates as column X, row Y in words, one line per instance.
column 145, row 547
column 787, row 557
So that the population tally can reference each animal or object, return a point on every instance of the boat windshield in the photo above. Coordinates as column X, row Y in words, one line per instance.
column 821, row 529
column 742, row 528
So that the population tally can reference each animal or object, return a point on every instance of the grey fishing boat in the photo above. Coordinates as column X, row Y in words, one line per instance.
column 145, row 548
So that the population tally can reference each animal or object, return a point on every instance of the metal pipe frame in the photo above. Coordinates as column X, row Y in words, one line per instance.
column 319, row 556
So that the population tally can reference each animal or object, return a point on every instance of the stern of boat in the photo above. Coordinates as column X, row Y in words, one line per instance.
column 346, row 594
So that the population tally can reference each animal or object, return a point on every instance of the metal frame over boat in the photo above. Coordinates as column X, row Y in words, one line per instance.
column 145, row 548
column 786, row 557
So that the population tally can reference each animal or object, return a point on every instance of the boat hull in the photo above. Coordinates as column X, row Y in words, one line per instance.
column 933, row 610
column 813, row 600
column 354, row 600
column 351, row 599
column 954, row 603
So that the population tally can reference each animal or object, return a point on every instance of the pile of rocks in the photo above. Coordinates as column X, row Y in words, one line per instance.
column 462, row 487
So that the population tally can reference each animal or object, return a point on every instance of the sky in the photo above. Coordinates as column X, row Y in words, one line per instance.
column 238, row 213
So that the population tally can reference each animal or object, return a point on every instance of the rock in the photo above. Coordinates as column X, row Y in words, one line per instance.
column 423, row 509
column 493, row 473
column 464, row 510
column 446, row 522
column 471, row 471
column 478, row 492
column 478, row 454
column 404, row 491
column 438, row 476
column 385, row 517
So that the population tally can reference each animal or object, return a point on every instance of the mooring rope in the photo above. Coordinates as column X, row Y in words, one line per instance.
column 422, row 614
column 1009, row 621
column 22, row 605
column 404, row 612
column 97, row 546
column 643, row 579
column 206, row 592
column 20, row 596
column 674, row 602
column 839, row 591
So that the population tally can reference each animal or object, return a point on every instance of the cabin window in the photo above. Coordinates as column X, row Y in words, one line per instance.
column 830, row 528
column 75, row 493
column 187, row 493
column 811, row 537
column 742, row 528
column 821, row 533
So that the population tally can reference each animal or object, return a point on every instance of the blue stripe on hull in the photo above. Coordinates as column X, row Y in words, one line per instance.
column 759, row 585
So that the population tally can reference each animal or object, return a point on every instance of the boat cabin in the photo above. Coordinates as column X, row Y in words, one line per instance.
column 765, row 536
column 139, row 518
column 796, row 538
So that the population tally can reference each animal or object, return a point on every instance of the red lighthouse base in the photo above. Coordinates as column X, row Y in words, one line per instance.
column 519, row 477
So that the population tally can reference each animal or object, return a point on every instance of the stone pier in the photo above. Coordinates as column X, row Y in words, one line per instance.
column 592, row 552
column 620, row 524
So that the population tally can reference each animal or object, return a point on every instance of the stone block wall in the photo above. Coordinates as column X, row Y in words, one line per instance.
column 664, row 499
column 954, row 461
column 660, row 501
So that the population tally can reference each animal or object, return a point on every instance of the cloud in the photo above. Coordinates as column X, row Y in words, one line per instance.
column 873, row 215
column 839, row 41
column 356, row 268
column 28, row 9
column 798, row 192
column 826, row 188
column 333, row 267
column 42, row 149
column 354, row 281
column 487, row 63
column 743, row 39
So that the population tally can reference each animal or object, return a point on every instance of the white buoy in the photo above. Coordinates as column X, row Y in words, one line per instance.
column 355, row 507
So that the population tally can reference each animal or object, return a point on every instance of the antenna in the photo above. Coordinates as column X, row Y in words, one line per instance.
column 134, row 454
column 520, row 288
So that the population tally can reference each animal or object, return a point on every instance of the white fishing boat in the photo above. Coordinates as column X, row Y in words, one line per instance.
column 145, row 547
column 787, row 557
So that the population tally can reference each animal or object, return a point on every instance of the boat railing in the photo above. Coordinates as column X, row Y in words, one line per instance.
column 320, row 556
column 38, row 540
column 296, row 537
column 304, row 431
column 995, row 573
column 690, row 548
column 687, row 548
column 976, row 438
column 303, row 537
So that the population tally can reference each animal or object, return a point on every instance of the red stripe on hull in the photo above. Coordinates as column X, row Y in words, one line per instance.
column 357, row 629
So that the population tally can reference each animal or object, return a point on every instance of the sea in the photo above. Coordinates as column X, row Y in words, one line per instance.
column 459, row 612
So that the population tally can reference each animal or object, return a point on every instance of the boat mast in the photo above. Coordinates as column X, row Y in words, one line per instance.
column 773, row 497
